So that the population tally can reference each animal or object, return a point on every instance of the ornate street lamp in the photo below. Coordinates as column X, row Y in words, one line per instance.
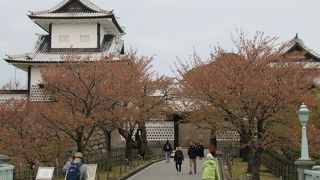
column 304, row 162
column 303, row 115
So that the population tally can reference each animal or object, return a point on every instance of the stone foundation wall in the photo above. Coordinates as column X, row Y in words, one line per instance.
column 98, row 143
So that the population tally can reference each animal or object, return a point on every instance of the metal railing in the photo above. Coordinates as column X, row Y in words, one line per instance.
column 221, row 169
column 280, row 167
column 120, row 165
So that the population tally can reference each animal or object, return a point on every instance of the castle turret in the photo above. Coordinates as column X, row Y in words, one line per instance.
column 71, row 26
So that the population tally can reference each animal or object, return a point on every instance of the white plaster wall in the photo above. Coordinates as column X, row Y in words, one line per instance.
column 35, row 76
column 102, row 33
column 74, row 31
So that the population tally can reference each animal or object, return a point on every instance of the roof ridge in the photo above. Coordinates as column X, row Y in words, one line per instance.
column 86, row 3
column 297, row 40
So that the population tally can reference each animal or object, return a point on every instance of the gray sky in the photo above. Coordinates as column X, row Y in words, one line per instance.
column 171, row 28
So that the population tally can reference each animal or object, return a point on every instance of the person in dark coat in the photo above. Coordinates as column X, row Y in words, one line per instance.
column 200, row 150
column 178, row 158
column 167, row 150
column 192, row 153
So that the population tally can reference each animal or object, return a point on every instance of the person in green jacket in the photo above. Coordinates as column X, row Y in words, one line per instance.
column 210, row 169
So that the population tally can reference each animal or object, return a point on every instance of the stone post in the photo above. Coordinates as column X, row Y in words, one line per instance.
column 304, row 162
column 6, row 170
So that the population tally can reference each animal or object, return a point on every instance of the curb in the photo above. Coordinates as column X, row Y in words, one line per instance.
column 139, row 169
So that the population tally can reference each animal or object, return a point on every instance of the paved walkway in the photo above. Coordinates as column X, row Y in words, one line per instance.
column 167, row 171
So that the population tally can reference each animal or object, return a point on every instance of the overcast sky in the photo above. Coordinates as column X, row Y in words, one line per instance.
column 168, row 29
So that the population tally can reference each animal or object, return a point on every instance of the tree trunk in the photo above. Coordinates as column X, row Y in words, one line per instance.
column 129, row 146
column 138, row 141
column 256, row 158
column 244, row 151
column 250, row 156
column 80, row 147
column 144, row 141
column 256, row 165
column 107, row 135
column 130, row 143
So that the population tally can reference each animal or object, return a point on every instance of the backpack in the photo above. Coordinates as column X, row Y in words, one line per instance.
column 167, row 147
column 74, row 171
column 179, row 154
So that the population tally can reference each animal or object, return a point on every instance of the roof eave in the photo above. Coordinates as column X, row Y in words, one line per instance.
column 298, row 43
column 112, row 17
column 33, row 19
column 30, row 62
column 114, row 20
column 315, row 57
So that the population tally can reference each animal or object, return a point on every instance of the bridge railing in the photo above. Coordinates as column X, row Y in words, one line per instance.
column 313, row 174
column 279, row 166
column 222, row 174
column 6, row 171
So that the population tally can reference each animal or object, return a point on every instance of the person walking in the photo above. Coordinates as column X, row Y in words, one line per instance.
column 192, row 153
column 178, row 158
column 75, row 169
column 213, row 149
column 167, row 150
column 210, row 169
column 200, row 151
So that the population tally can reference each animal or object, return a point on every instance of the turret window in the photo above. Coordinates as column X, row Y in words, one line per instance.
column 63, row 38
column 84, row 38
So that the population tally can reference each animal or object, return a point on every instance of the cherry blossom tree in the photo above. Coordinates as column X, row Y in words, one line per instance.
column 257, row 88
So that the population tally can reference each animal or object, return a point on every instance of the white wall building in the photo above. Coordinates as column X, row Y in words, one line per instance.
column 72, row 26
column 79, row 27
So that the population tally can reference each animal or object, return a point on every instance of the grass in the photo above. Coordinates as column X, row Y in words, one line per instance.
column 240, row 168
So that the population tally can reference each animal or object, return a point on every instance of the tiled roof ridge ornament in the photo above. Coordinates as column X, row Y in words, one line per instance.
column 296, row 39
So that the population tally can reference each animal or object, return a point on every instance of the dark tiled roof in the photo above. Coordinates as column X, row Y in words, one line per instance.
column 88, row 10
column 86, row 3
column 14, row 91
column 296, row 42
column 70, row 15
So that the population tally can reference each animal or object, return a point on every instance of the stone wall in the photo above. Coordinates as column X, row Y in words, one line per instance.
column 98, row 144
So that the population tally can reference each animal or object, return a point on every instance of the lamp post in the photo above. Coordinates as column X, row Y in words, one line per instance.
column 303, row 115
column 304, row 162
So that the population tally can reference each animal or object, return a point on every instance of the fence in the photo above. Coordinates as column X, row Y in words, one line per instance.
column 28, row 172
column 280, row 166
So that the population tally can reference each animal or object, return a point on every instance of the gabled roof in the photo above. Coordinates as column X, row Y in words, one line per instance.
column 86, row 3
column 42, row 53
column 59, row 7
column 74, row 9
column 298, row 45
